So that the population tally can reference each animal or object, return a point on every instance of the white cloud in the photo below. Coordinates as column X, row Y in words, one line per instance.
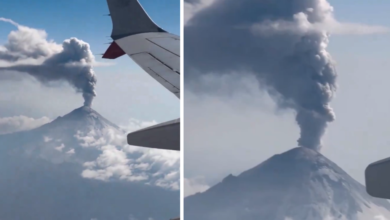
column 118, row 160
column 134, row 124
column 142, row 166
column 111, row 163
column 20, row 123
column 91, row 139
column 47, row 139
column 70, row 152
column 169, row 180
column 380, row 217
column 194, row 185
column 9, row 21
column 59, row 148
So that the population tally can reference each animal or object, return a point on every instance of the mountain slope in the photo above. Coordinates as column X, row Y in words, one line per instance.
column 51, row 140
column 81, row 119
column 40, row 179
column 300, row 184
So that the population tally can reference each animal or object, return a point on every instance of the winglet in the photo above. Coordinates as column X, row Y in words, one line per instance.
column 129, row 18
column 113, row 51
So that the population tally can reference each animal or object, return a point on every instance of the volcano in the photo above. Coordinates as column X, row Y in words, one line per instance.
column 41, row 177
column 300, row 184
column 51, row 140
column 80, row 119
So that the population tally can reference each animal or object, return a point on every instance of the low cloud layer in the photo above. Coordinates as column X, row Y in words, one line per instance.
column 282, row 44
column 101, row 150
column 120, row 161
column 20, row 123
column 29, row 51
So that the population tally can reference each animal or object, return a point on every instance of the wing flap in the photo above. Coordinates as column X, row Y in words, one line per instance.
column 170, row 44
column 162, row 136
column 159, row 71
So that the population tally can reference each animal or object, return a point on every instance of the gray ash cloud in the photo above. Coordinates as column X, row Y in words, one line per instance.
column 281, row 43
column 28, row 51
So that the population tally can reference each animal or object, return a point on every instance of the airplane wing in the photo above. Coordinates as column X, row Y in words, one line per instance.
column 162, row 136
column 158, row 53
column 378, row 179
column 151, row 47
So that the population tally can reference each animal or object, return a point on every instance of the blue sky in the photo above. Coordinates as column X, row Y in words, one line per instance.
column 124, row 90
column 83, row 18
column 365, row 12
column 368, row 12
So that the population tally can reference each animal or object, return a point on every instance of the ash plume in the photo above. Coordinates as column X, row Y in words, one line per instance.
column 28, row 51
column 283, row 43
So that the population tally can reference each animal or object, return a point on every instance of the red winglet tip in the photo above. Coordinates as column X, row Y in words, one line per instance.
column 113, row 51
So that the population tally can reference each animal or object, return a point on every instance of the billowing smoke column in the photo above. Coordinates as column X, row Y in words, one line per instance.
column 283, row 43
column 72, row 62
